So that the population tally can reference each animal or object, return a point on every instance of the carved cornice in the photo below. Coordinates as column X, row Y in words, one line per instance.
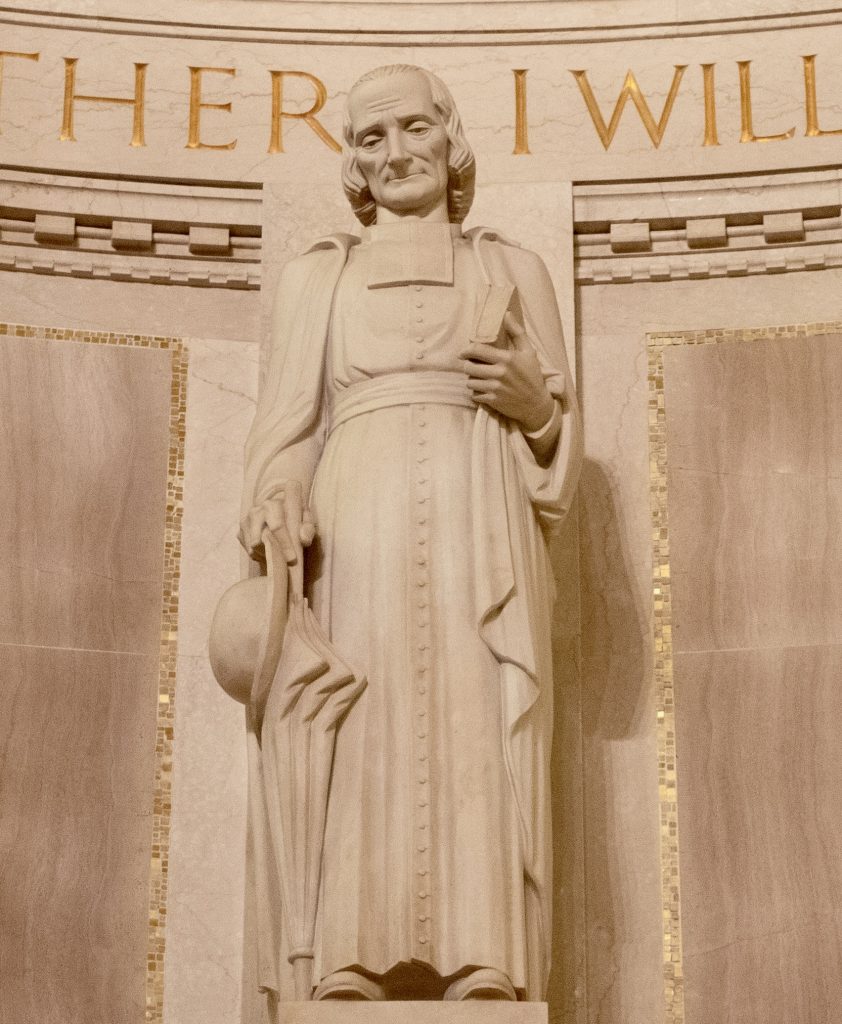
column 730, row 227
column 431, row 23
column 136, row 231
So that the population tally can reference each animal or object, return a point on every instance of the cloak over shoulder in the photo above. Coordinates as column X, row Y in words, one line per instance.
column 514, row 501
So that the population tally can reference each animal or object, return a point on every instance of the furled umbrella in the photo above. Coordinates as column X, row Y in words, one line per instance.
column 302, row 689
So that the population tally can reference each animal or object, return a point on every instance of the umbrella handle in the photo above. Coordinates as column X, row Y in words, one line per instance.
column 271, row 643
column 275, row 558
column 296, row 579
column 302, row 973
column 276, row 564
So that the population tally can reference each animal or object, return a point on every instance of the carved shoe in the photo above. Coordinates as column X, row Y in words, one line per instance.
column 348, row 985
column 485, row 983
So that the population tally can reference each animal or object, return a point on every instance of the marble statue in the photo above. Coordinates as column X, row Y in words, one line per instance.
column 416, row 439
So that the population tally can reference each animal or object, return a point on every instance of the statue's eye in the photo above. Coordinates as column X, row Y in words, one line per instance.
column 418, row 128
column 370, row 141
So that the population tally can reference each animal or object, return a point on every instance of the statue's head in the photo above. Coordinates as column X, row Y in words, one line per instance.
column 435, row 145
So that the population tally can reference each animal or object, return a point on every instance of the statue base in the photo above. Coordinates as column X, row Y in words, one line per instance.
column 472, row 1011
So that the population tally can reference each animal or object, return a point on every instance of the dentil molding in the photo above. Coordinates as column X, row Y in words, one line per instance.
column 174, row 233
column 726, row 227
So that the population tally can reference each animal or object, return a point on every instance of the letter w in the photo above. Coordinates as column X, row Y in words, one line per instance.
column 630, row 90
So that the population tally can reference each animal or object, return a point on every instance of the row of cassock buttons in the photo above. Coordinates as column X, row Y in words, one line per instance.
column 421, row 667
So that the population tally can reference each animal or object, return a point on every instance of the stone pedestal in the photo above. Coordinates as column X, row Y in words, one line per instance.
column 413, row 1012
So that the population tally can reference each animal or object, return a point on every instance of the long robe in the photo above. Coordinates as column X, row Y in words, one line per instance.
column 430, row 575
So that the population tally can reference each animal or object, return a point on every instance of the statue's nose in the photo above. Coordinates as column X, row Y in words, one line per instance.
column 396, row 153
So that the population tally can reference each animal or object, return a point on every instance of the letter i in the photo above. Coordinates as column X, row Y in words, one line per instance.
column 711, row 137
column 521, row 122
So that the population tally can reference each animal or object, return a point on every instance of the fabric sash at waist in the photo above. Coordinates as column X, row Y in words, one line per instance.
column 428, row 387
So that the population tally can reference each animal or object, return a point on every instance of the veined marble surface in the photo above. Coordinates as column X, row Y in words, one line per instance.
column 477, row 59
column 83, row 458
column 754, row 439
column 205, row 909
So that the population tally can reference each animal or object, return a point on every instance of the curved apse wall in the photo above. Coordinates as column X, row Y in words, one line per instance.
column 681, row 180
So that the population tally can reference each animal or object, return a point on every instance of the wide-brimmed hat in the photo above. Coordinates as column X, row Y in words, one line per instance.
column 239, row 625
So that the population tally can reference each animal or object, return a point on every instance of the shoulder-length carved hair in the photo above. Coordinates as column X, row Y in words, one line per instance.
column 460, row 158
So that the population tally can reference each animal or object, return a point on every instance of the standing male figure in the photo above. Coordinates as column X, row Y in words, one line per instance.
column 431, row 467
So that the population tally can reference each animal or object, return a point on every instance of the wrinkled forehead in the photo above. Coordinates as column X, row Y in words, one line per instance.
column 397, row 95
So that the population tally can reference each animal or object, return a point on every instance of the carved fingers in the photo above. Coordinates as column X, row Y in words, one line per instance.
column 509, row 380
column 278, row 520
column 284, row 515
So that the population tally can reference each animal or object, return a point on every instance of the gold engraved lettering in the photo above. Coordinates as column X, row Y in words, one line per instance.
column 711, row 137
column 630, row 90
column 746, row 117
column 13, row 53
column 276, row 142
column 197, row 105
column 71, row 96
column 521, row 121
column 812, row 106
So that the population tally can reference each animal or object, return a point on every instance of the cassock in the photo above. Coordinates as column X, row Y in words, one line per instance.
column 430, row 576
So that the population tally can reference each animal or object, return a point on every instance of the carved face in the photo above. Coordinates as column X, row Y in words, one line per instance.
column 401, row 143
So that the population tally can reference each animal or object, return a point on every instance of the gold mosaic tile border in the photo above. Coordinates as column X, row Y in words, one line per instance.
column 662, row 606
column 166, row 686
column 168, row 639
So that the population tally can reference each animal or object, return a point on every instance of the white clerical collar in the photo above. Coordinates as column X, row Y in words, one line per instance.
column 410, row 252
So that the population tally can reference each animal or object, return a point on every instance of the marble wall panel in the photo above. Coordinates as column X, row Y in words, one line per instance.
column 760, row 798
column 755, row 446
column 756, row 560
column 77, row 743
column 83, row 457
column 88, row 559
column 774, row 404
column 752, row 440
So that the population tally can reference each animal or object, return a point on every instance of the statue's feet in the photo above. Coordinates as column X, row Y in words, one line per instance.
column 485, row 983
column 349, row 985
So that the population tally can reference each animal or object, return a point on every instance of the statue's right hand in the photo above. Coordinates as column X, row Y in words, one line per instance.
column 285, row 516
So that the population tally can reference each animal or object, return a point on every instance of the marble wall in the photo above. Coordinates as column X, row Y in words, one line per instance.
column 207, row 870
column 754, row 442
column 676, row 117
column 696, row 220
column 84, row 460
column 621, row 725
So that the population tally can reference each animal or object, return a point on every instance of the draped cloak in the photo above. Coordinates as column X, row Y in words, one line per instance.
column 438, row 843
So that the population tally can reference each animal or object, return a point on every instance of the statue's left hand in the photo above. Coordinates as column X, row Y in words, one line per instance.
column 509, row 380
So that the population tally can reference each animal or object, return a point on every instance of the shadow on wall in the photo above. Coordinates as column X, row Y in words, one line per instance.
column 567, row 979
column 615, row 705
